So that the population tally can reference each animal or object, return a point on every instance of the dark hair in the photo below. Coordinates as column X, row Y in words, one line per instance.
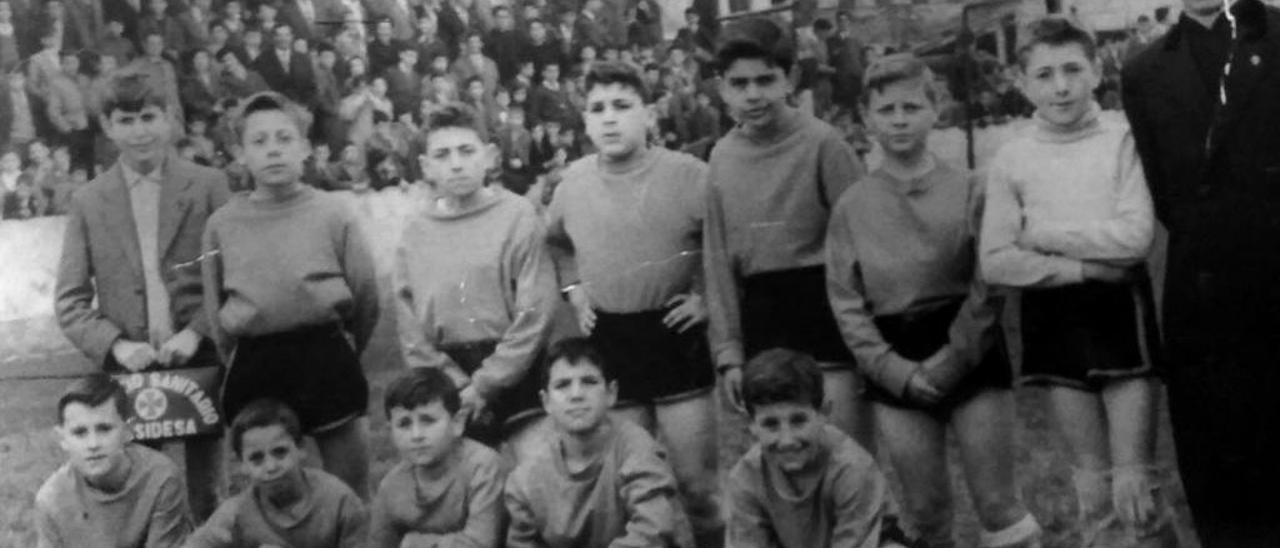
column 574, row 351
column 451, row 115
column 755, row 38
column 821, row 25
column 262, row 413
column 1056, row 31
column 91, row 391
column 380, row 116
column 267, row 101
column 781, row 375
column 892, row 69
column 232, row 51
column 499, row 8
column 132, row 92
column 604, row 73
column 420, row 386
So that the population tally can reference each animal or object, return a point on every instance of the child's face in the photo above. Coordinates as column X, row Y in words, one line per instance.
column 456, row 160
column 94, row 439
column 425, row 433
column 755, row 91
column 789, row 433
column 274, row 148
column 62, row 158
column 269, row 455
column 10, row 162
column 901, row 116
column 1059, row 81
column 616, row 119
column 502, row 99
column 577, row 397
column 38, row 152
column 440, row 64
column 321, row 153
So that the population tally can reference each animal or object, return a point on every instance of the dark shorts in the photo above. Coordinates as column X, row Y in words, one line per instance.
column 511, row 406
column 1085, row 335
column 313, row 370
column 789, row 309
column 918, row 335
column 653, row 364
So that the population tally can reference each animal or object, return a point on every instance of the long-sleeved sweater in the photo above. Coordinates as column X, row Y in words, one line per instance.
column 838, row 502
column 767, row 208
column 150, row 510
column 632, row 238
column 277, row 266
column 330, row 515
column 627, row 498
column 457, row 502
column 1058, row 196
column 476, row 275
column 897, row 247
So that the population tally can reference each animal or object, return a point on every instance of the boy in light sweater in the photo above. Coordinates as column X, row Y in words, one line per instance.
column 625, row 227
column 774, row 178
column 447, row 490
column 110, row 492
column 1069, row 222
column 593, row 481
column 290, row 285
column 286, row 504
column 804, row 483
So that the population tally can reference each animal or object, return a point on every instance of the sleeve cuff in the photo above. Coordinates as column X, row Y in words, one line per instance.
column 729, row 355
column 896, row 373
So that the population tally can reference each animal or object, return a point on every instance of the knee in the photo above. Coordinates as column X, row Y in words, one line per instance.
column 931, row 516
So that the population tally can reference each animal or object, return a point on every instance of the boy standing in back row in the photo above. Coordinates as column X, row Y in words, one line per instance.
column 774, row 178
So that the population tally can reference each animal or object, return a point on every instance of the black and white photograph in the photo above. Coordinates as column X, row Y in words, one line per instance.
column 640, row 274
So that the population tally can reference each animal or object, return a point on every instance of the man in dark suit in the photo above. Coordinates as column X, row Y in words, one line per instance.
column 1214, row 172
column 505, row 45
column 286, row 70
column 301, row 16
column 127, row 12
column 128, row 292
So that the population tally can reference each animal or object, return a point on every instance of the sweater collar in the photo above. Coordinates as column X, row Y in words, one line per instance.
column 435, row 211
column 789, row 121
column 1088, row 125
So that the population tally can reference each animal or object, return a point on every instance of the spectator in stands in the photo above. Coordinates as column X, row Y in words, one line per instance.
column 10, row 40
column 404, row 84
column 383, row 52
column 428, row 42
column 234, row 80
column 505, row 45
column 473, row 62
column 67, row 109
column 19, row 112
column 158, row 21
column 286, row 70
column 197, row 88
column 161, row 75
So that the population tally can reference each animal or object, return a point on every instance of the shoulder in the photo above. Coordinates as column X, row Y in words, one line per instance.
column 849, row 463
column 745, row 474
column 329, row 489
column 202, row 175
column 154, row 462
column 683, row 166
column 396, row 479
column 481, row 462
column 520, row 208
column 57, row 491
column 633, row 445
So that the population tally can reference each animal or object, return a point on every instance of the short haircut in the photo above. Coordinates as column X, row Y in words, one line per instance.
column 604, row 73
column 574, row 351
column 91, row 391
column 132, row 92
column 451, row 115
column 781, row 375
column 264, row 101
column 222, row 54
column 1056, row 31
column 899, row 67
column 821, row 25
column 755, row 38
column 420, row 386
column 262, row 413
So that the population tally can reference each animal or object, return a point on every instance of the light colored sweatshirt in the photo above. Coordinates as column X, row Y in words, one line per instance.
column 632, row 238
column 767, row 209
column 476, row 275
column 456, row 503
column 837, row 503
column 627, row 498
column 1059, row 196
column 277, row 266
column 896, row 247
column 149, row 511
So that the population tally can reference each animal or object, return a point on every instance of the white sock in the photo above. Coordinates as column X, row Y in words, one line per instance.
column 1025, row 529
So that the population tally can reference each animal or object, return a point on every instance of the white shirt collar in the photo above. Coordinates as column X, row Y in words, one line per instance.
column 133, row 178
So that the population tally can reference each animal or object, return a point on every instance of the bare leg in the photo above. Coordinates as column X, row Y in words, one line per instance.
column 916, row 443
column 1131, row 406
column 850, row 412
column 984, row 427
column 1083, row 422
column 688, row 429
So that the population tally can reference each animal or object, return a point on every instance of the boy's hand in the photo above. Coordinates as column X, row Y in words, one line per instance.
column 582, row 307
column 178, row 349
column 472, row 403
column 689, row 311
column 920, row 390
column 733, row 388
column 133, row 355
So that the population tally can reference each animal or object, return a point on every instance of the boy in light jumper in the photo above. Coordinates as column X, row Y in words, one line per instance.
column 774, row 178
column 804, row 483
column 110, row 492
column 594, row 481
column 625, row 227
column 286, row 504
column 447, row 490
column 1069, row 222
column 290, row 284
column 903, row 280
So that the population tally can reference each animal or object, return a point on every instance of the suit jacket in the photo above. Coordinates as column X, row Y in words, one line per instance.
column 84, row 24
column 404, row 89
column 296, row 81
column 1215, row 178
column 122, row 11
column 403, row 23
column 291, row 14
column 101, row 257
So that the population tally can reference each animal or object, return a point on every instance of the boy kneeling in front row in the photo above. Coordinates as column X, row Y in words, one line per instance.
column 804, row 483
column 111, row 492
column 594, row 481
column 286, row 504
